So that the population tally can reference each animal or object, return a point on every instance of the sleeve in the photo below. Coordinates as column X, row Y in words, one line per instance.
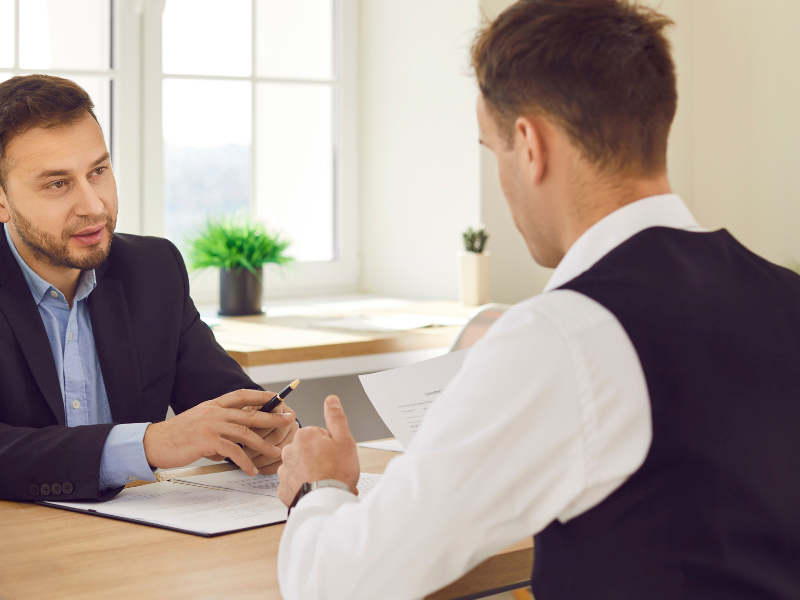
column 68, row 456
column 454, row 498
column 204, row 370
column 123, row 458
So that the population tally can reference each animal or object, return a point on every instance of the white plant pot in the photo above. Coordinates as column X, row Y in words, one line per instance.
column 473, row 278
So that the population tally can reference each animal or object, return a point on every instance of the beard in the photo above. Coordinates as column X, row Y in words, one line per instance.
column 50, row 249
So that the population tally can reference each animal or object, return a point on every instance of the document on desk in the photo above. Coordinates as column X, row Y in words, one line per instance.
column 189, row 509
column 262, row 485
column 402, row 396
column 390, row 323
column 206, row 505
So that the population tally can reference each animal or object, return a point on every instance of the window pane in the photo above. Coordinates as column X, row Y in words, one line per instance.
column 295, row 39
column 99, row 90
column 295, row 166
column 207, row 37
column 56, row 34
column 6, row 33
column 207, row 132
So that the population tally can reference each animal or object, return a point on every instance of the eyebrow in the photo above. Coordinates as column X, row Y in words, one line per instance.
column 64, row 172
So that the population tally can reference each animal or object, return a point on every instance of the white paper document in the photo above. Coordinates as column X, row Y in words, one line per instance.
column 391, row 445
column 402, row 396
column 388, row 323
column 192, row 509
column 263, row 485
column 206, row 505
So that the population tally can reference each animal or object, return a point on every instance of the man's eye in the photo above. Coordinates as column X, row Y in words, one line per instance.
column 100, row 170
column 58, row 184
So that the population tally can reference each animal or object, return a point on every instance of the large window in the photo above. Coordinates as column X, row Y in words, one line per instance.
column 249, row 106
column 216, row 106
column 71, row 39
column 249, row 112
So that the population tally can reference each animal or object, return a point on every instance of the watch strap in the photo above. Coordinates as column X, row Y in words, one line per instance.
column 307, row 488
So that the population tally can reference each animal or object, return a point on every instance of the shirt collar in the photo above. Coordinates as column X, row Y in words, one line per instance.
column 39, row 287
column 667, row 210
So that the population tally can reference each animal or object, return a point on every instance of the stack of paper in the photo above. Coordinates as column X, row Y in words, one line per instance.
column 207, row 505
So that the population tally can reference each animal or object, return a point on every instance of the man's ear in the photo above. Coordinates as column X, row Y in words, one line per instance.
column 531, row 143
column 5, row 215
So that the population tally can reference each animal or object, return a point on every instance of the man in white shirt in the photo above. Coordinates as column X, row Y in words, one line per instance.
column 632, row 417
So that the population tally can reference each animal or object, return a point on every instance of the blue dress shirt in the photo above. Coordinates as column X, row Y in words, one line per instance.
column 82, row 389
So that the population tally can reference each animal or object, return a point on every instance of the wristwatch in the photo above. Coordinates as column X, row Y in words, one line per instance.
column 315, row 485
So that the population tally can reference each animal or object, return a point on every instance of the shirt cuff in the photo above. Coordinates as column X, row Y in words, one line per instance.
column 123, row 457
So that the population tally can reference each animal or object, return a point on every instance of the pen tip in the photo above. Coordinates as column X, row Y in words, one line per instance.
column 295, row 383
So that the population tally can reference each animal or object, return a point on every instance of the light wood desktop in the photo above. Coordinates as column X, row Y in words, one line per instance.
column 47, row 553
column 290, row 342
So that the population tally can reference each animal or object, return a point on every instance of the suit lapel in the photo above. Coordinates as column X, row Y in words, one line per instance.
column 22, row 314
column 116, row 347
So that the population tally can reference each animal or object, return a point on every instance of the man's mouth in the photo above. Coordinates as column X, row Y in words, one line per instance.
column 90, row 236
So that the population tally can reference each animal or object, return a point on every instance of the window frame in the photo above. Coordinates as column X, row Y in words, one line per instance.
column 341, row 275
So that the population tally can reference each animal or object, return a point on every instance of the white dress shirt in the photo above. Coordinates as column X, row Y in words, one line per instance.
column 547, row 417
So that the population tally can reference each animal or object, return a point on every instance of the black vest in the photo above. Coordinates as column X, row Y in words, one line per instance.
column 714, row 511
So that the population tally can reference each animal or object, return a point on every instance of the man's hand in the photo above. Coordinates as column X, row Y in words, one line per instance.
column 280, row 437
column 213, row 429
column 318, row 454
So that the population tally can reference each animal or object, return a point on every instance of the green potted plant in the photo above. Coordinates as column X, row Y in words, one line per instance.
column 239, row 247
column 473, row 268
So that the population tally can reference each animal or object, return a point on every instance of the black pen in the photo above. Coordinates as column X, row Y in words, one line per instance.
column 279, row 397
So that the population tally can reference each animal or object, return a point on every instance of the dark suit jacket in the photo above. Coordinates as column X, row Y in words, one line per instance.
column 153, row 349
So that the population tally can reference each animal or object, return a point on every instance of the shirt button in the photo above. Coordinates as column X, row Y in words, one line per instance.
column 54, row 293
column 69, row 337
column 76, row 404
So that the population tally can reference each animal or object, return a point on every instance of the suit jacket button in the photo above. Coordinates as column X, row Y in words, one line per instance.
column 45, row 489
column 66, row 487
column 34, row 490
column 55, row 488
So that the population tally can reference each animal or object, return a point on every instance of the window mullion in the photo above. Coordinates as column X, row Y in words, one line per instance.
column 16, row 37
column 253, row 113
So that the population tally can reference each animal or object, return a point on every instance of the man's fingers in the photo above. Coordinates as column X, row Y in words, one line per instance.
column 242, row 398
column 258, row 420
column 237, row 455
column 335, row 419
column 242, row 435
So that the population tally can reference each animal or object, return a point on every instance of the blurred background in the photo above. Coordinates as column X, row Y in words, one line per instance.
column 348, row 126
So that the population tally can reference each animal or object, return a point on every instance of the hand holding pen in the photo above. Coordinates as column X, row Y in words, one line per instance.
column 279, row 397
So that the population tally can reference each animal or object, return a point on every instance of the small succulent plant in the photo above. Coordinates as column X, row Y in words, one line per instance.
column 475, row 241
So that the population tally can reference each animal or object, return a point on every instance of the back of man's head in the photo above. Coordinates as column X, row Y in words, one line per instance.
column 29, row 101
column 599, row 69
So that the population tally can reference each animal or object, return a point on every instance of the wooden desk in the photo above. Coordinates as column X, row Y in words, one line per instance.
column 47, row 553
column 287, row 344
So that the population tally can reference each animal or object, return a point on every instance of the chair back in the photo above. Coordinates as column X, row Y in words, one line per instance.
column 477, row 325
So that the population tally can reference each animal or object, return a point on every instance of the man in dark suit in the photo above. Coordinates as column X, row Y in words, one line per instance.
column 98, row 339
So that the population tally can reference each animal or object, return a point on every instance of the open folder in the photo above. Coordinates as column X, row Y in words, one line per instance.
column 206, row 505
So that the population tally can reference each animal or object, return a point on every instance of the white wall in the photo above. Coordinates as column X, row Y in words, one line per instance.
column 741, row 79
column 733, row 150
column 419, row 156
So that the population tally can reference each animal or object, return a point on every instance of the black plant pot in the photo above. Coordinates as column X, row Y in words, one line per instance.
column 239, row 292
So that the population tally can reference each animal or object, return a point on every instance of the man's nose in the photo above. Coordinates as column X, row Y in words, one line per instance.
column 87, row 200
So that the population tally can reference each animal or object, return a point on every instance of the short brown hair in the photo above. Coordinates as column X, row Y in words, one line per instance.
column 600, row 69
column 29, row 101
